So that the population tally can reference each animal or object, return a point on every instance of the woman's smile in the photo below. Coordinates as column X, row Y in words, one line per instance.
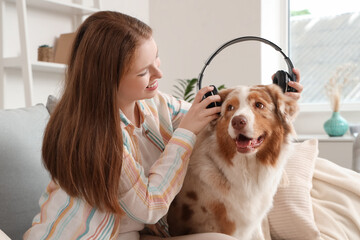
column 153, row 85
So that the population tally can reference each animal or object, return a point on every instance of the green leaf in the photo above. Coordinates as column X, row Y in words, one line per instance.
column 188, row 97
column 189, row 88
column 221, row 87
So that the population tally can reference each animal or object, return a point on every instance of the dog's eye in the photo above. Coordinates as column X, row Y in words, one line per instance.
column 259, row 105
column 230, row 107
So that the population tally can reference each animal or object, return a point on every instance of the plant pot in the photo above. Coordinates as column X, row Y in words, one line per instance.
column 336, row 126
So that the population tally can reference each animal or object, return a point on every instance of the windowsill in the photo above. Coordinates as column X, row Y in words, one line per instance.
column 311, row 117
column 325, row 107
column 325, row 138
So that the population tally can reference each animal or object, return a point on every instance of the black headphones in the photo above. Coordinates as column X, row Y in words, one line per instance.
column 281, row 77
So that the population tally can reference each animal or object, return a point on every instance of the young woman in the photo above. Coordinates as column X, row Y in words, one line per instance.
column 116, row 148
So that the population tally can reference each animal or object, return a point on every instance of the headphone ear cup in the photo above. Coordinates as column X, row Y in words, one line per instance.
column 211, row 93
column 281, row 79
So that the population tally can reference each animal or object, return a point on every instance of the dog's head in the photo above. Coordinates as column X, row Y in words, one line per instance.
column 255, row 120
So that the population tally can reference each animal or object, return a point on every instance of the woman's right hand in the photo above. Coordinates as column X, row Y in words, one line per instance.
column 198, row 115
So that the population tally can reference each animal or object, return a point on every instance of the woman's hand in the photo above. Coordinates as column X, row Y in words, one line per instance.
column 198, row 115
column 296, row 85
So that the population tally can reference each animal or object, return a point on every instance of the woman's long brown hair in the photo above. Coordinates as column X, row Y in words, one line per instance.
column 83, row 145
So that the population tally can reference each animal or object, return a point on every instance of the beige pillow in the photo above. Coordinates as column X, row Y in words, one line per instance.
column 3, row 236
column 292, row 215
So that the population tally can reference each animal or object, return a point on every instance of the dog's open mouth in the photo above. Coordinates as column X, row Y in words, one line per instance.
column 246, row 145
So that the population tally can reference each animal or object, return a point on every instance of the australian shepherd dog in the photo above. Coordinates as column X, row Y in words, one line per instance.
column 236, row 165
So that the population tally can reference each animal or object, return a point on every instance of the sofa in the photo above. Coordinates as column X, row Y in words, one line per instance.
column 22, row 175
column 23, row 178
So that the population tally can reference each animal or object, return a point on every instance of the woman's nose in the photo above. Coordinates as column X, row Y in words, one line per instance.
column 157, row 72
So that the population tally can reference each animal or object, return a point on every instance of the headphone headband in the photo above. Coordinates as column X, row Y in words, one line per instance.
column 242, row 39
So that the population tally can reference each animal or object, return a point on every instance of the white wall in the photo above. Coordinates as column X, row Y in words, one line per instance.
column 188, row 32
column 135, row 8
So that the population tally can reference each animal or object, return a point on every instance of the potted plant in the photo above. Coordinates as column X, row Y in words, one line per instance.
column 337, row 126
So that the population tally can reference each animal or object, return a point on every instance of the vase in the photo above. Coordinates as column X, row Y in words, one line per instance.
column 336, row 126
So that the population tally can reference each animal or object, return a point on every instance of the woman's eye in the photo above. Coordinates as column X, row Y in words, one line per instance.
column 143, row 74
column 230, row 107
column 259, row 105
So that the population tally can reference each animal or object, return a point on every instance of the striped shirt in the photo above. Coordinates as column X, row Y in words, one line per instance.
column 144, row 198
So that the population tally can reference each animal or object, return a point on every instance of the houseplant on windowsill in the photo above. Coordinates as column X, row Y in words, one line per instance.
column 337, row 126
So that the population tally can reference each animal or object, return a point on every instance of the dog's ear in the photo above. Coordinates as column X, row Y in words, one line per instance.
column 213, row 123
column 224, row 92
column 287, row 106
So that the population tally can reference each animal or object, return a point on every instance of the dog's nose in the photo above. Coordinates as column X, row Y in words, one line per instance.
column 238, row 122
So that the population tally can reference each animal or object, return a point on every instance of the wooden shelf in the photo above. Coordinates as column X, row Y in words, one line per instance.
column 48, row 67
column 36, row 66
column 71, row 8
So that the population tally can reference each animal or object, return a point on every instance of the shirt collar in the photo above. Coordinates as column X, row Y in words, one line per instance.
column 143, row 110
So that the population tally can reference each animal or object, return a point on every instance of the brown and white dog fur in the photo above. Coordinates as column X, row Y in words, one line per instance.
column 236, row 165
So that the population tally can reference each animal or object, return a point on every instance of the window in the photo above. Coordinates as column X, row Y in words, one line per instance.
column 324, row 42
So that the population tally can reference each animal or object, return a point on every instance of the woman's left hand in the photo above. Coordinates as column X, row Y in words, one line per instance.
column 296, row 85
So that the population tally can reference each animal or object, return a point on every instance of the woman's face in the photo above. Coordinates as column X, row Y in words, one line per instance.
column 141, row 81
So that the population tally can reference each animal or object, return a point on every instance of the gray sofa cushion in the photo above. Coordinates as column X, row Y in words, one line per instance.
column 22, row 175
column 51, row 103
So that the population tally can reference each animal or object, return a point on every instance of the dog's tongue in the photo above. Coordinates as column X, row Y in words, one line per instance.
column 243, row 142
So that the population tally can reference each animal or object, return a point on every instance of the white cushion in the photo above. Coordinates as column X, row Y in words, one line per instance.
column 292, row 216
